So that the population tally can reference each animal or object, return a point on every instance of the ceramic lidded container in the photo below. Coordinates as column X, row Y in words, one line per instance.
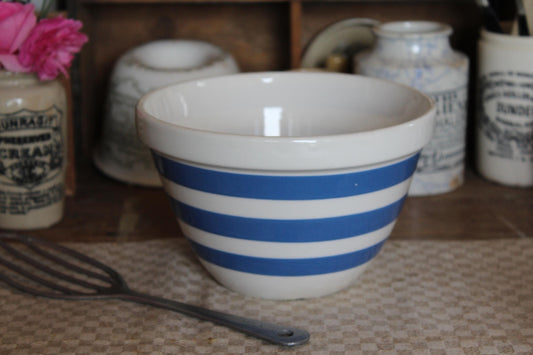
column 119, row 153
column 418, row 54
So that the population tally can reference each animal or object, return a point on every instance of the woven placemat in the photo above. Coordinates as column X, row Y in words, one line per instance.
column 418, row 297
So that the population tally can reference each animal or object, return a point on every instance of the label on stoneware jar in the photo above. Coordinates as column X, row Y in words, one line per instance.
column 120, row 143
column 31, row 160
column 506, row 119
column 446, row 150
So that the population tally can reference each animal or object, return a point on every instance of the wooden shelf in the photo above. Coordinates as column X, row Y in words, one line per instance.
column 106, row 210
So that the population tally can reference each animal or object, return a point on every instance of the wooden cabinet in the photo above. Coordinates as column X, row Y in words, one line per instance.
column 262, row 35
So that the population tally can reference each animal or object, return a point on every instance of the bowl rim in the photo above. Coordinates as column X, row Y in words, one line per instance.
column 135, row 56
column 237, row 151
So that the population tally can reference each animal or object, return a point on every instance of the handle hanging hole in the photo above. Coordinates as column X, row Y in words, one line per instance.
column 286, row 333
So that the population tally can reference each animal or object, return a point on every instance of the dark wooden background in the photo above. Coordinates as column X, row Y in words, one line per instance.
column 262, row 35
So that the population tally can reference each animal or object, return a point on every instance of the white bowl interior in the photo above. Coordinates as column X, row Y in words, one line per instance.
column 296, row 105
column 177, row 54
column 286, row 121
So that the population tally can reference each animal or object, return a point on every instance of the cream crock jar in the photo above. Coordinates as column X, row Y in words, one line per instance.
column 33, row 136
column 418, row 54
column 504, row 127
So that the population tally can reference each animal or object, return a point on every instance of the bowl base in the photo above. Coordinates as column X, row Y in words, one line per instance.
column 282, row 287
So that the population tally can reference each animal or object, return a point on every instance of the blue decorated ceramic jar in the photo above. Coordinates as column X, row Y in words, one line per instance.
column 418, row 54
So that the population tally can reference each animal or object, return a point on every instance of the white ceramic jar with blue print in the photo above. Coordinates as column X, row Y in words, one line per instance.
column 418, row 54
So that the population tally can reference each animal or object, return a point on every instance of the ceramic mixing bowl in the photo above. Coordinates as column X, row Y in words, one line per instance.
column 286, row 184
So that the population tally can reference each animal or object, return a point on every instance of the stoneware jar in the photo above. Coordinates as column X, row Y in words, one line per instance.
column 504, row 128
column 120, row 154
column 418, row 54
column 33, row 136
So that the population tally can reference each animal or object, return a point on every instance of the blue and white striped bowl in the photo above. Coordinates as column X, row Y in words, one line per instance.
column 273, row 212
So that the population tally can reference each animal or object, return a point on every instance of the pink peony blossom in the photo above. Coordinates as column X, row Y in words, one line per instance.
column 51, row 45
column 16, row 22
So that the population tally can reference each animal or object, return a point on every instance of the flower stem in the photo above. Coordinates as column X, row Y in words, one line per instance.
column 45, row 8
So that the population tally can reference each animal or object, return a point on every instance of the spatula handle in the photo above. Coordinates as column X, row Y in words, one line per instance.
column 274, row 333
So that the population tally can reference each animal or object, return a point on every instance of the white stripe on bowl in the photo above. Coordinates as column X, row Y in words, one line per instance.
column 286, row 209
column 285, row 250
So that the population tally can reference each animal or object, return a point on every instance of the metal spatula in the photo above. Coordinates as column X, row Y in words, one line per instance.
column 45, row 269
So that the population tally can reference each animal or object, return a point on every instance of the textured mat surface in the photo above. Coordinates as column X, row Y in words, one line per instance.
column 418, row 297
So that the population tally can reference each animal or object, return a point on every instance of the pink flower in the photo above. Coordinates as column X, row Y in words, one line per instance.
column 51, row 45
column 16, row 22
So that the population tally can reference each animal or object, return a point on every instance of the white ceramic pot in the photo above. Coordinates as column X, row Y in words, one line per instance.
column 418, row 54
column 119, row 153
column 284, row 190
column 504, row 127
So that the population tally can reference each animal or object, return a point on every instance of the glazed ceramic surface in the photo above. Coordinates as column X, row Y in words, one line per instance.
column 345, row 37
column 120, row 154
column 284, row 190
column 505, row 114
column 33, row 151
column 418, row 54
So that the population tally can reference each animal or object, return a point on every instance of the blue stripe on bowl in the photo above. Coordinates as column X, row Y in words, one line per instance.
column 288, row 231
column 286, row 267
column 285, row 187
